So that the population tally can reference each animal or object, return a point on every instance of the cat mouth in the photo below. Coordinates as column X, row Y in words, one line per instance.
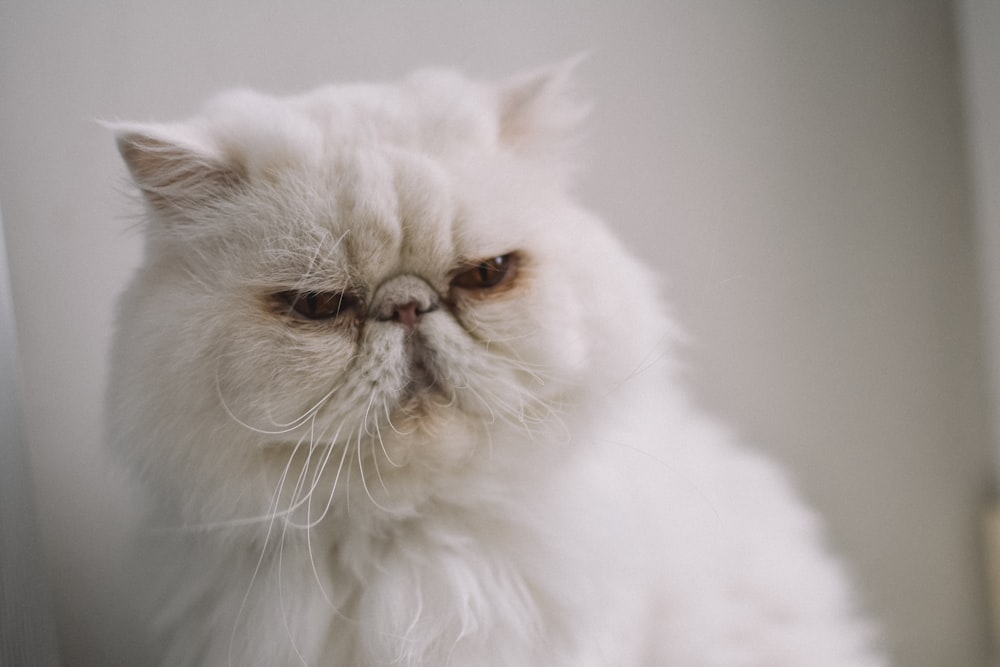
column 422, row 376
column 420, row 380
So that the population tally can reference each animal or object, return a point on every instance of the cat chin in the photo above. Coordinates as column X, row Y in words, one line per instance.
column 430, row 431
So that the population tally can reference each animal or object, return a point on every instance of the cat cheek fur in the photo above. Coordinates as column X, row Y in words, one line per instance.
column 509, row 477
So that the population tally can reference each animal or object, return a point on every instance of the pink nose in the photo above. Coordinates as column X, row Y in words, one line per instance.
column 404, row 299
column 407, row 314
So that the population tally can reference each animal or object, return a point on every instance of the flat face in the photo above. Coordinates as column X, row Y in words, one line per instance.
column 370, row 265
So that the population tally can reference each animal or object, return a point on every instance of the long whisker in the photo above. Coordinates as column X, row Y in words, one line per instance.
column 263, row 550
column 364, row 482
column 282, row 427
column 281, row 599
column 333, row 488
column 310, row 523
column 272, row 511
column 451, row 402
column 486, row 404
column 388, row 420
column 317, row 474
column 654, row 357
column 303, row 472
column 374, row 457
column 378, row 433
column 365, row 422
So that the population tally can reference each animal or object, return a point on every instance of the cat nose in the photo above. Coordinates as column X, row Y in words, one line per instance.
column 407, row 314
column 404, row 299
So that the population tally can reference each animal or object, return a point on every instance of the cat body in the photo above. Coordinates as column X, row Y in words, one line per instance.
column 394, row 398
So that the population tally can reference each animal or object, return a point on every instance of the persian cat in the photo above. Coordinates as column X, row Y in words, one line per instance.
column 394, row 398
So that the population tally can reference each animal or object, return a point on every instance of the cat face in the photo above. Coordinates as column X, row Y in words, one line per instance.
column 398, row 267
column 380, row 303
column 360, row 262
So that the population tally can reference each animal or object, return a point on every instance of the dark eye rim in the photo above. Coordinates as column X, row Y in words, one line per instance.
column 487, row 274
column 315, row 305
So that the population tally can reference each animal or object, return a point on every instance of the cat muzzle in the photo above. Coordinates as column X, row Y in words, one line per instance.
column 404, row 299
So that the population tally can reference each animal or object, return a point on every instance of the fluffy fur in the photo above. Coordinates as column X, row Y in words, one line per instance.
column 441, row 473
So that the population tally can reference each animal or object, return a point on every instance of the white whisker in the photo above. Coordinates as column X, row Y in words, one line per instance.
column 365, row 422
column 282, row 428
column 364, row 482
column 378, row 433
column 451, row 402
column 388, row 420
column 263, row 550
column 374, row 457
column 310, row 524
column 281, row 599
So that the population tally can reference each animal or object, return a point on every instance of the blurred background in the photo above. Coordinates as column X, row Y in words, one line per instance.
column 816, row 182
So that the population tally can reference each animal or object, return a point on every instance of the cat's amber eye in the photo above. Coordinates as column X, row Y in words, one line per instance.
column 316, row 305
column 487, row 273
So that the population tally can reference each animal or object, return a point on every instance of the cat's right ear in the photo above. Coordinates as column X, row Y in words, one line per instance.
column 540, row 110
column 178, row 179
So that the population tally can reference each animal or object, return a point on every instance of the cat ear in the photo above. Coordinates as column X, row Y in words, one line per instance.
column 540, row 108
column 177, row 177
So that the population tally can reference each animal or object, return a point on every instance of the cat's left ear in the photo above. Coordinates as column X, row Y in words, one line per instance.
column 540, row 110
column 177, row 176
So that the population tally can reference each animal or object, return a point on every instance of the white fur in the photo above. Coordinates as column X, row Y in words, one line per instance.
column 556, row 501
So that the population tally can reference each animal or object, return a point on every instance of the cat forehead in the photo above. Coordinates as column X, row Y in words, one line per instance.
column 385, row 210
column 435, row 112
column 378, row 152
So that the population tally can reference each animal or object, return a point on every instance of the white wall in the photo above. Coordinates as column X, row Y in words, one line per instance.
column 794, row 168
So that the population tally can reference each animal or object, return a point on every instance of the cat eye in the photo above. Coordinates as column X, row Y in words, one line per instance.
column 317, row 305
column 487, row 273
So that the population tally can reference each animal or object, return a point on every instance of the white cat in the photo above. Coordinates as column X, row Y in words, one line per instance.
column 396, row 400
